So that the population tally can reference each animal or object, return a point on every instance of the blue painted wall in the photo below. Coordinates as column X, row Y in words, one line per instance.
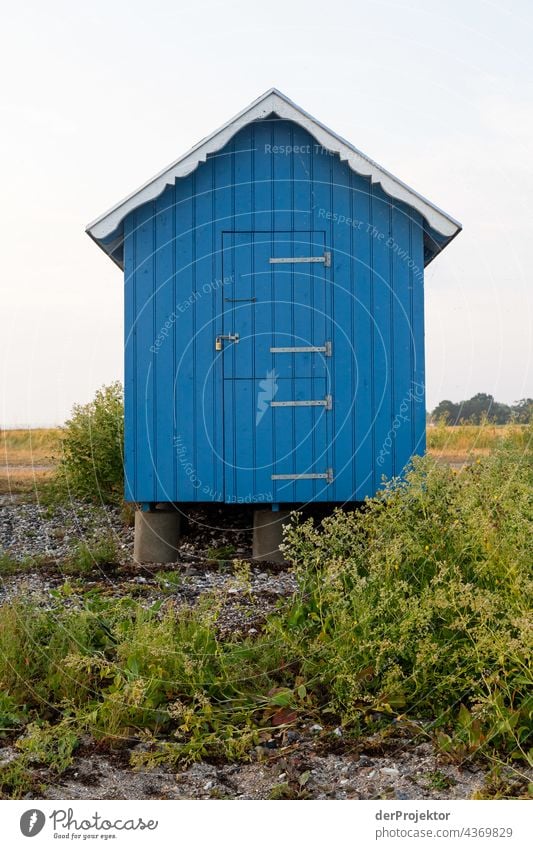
column 195, row 257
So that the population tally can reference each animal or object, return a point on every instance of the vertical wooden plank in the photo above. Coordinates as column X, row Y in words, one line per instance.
column 263, row 176
column 303, row 145
column 224, row 199
column 244, row 184
column 184, row 340
column 383, row 371
column 130, row 375
column 146, row 410
column 322, row 197
column 239, row 318
column 265, row 370
column 283, row 291
column 282, row 170
column 347, row 355
column 305, row 325
column 230, row 269
column 401, row 312
column 244, row 471
column 205, row 330
column 418, row 354
column 363, row 337
column 263, row 307
column 163, row 344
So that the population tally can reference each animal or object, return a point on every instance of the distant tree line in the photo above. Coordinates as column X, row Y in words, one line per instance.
column 483, row 407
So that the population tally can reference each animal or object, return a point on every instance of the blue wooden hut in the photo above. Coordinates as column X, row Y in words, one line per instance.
column 274, row 316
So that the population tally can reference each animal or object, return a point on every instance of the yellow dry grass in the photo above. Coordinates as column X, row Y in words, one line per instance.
column 458, row 443
column 27, row 457
column 30, row 447
column 19, row 479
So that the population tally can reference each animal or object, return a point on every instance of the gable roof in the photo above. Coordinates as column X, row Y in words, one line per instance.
column 106, row 230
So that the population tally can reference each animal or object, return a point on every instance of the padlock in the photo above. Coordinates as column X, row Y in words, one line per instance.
column 218, row 344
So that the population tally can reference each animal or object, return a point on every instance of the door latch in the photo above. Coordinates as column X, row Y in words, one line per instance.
column 231, row 337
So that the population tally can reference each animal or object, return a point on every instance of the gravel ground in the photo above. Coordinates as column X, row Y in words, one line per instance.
column 298, row 769
column 27, row 529
column 410, row 776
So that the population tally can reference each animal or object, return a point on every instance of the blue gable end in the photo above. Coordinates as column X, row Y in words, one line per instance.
column 236, row 424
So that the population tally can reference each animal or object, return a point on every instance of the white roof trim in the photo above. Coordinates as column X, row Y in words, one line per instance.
column 274, row 101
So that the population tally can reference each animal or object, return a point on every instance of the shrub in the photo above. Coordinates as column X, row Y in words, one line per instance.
column 91, row 465
column 418, row 604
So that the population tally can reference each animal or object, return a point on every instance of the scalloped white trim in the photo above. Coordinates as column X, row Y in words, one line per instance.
column 273, row 101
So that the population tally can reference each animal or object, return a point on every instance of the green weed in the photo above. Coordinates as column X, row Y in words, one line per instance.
column 438, row 780
column 169, row 581
column 18, row 781
column 418, row 604
column 221, row 554
column 414, row 608
column 92, row 554
column 10, row 565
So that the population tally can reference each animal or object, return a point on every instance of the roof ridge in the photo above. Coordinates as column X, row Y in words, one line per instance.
column 272, row 100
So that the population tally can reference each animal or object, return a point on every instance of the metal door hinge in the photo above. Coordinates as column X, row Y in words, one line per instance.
column 327, row 476
column 305, row 349
column 325, row 258
column 327, row 403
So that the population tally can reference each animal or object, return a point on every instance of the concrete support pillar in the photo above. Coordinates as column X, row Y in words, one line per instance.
column 156, row 536
column 268, row 534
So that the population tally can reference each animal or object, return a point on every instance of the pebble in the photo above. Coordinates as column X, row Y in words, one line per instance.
column 293, row 736
column 315, row 729
column 390, row 770
column 27, row 529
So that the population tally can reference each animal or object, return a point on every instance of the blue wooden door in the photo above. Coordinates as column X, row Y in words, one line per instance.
column 276, row 358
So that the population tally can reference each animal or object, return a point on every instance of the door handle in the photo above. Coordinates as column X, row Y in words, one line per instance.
column 231, row 337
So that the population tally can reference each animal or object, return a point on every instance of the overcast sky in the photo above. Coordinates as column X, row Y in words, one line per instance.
column 97, row 97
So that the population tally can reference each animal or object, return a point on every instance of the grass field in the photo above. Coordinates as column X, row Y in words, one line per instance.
column 27, row 457
column 39, row 446
column 459, row 442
